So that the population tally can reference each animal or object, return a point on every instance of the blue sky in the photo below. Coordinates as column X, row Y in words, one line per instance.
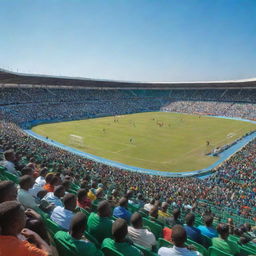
column 137, row 40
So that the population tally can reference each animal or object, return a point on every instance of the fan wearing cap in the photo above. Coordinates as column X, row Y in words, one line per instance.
column 92, row 191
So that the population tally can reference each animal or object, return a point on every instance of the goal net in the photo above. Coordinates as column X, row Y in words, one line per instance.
column 76, row 140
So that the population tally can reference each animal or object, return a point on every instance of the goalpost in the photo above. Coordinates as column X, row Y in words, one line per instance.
column 76, row 140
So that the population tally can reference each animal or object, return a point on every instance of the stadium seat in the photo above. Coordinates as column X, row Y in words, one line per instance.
column 216, row 252
column 233, row 238
column 2, row 176
column 245, row 251
column 12, row 177
column 155, row 228
column 111, row 252
column 94, row 207
column 52, row 227
column 72, row 191
column 198, row 246
column 143, row 213
column 92, row 239
column 207, row 241
column 43, row 215
column 251, row 247
column 84, row 211
column 145, row 251
column 63, row 250
column 114, row 218
column 133, row 208
column 164, row 243
column 74, row 187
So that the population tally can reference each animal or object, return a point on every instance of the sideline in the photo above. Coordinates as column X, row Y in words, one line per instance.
column 203, row 173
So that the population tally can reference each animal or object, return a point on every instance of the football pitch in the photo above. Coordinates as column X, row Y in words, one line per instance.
column 155, row 140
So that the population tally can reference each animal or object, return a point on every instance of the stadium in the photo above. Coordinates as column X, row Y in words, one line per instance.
column 226, row 191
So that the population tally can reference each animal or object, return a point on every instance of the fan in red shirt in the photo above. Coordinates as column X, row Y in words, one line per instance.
column 82, row 200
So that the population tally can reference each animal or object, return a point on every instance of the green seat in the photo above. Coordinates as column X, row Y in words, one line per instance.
column 92, row 239
column 114, row 218
column 43, row 215
column 12, row 177
column 251, row 247
column 132, row 208
column 2, row 177
column 72, row 191
column 164, row 243
column 94, row 206
column 212, row 251
column 145, row 251
column 111, row 252
column 143, row 213
column 52, row 227
column 74, row 187
column 64, row 250
column 233, row 238
column 198, row 222
column 198, row 246
column 245, row 251
column 155, row 228
column 2, row 169
column 207, row 241
column 84, row 212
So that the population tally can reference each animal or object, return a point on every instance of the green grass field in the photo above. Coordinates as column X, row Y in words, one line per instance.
column 179, row 145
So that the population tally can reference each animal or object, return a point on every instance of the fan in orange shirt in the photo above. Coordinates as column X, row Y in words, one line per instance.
column 51, row 183
column 13, row 235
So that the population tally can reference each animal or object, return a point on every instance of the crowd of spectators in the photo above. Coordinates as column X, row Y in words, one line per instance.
column 50, row 104
column 114, row 220
column 230, row 109
column 47, row 172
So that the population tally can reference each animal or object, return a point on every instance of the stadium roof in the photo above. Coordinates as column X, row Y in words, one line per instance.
column 7, row 77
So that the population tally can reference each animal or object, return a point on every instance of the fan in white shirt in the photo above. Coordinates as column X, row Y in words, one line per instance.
column 8, row 163
column 140, row 235
column 150, row 205
column 40, row 181
column 24, row 197
column 55, row 197
column 63, row 215
column 179, row 237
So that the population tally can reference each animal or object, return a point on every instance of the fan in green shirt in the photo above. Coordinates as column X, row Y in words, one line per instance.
column 119, row 232
column 71, row 243
column 100, row 224
column 222, row 243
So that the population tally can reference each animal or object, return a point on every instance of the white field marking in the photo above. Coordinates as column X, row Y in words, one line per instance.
column 230, row 135
column 128, row 146
column 124, row 144
column 195, row 149
column 121, row 150
column 141, row 159
column 186, row 155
